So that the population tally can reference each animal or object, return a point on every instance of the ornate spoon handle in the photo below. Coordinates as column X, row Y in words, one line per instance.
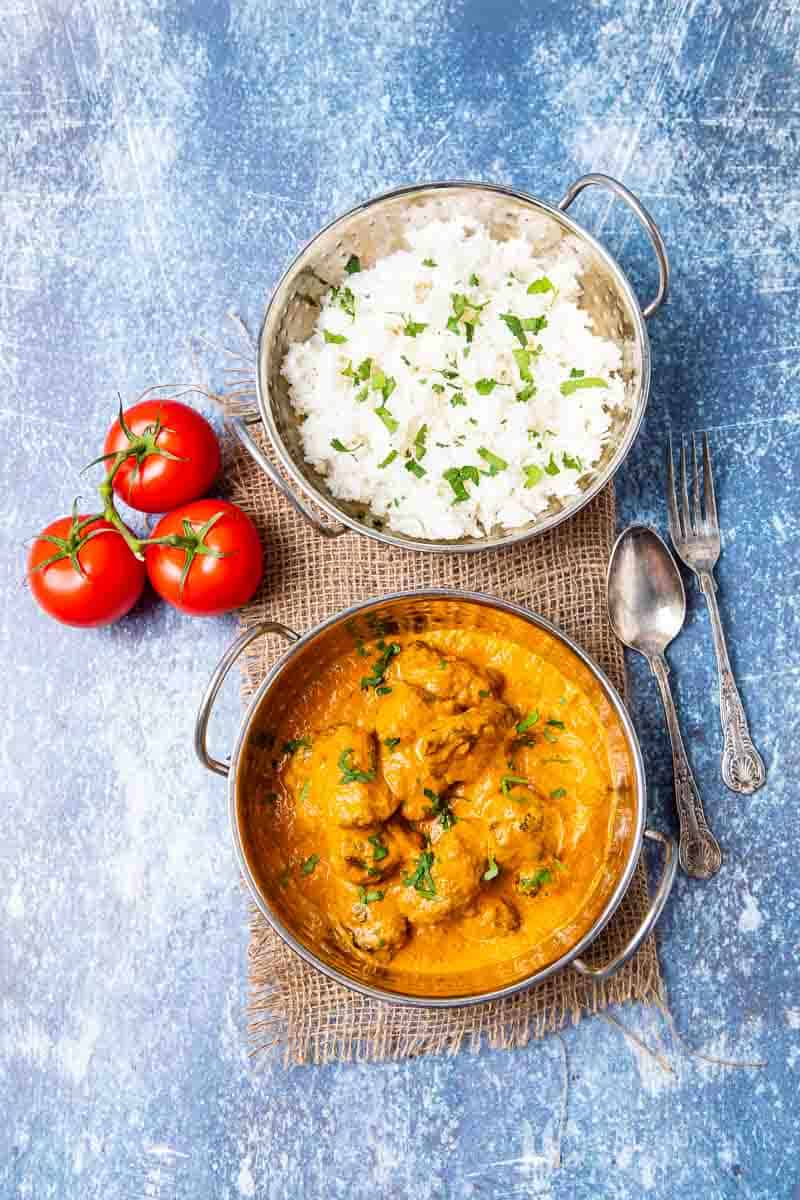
column 742, row 766
column 698, row 852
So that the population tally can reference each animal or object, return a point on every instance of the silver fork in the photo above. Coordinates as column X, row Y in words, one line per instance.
column 697, row 541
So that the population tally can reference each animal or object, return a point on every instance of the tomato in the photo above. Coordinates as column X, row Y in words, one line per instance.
column 212, row 561
column 173, row 455
column 92, row 578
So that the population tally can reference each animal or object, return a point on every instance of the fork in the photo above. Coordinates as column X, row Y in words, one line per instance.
column 697, row 542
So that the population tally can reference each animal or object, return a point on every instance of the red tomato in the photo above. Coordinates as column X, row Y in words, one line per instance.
column 174, row 455
column 111, row 582
column 215, row 562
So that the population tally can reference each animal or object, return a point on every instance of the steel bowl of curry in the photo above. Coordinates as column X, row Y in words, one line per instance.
column 437, row 798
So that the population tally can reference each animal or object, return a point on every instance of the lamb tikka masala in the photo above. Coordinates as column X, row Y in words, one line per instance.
column 435, row 806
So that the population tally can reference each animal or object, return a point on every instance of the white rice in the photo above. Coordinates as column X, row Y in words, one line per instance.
column 558, row 437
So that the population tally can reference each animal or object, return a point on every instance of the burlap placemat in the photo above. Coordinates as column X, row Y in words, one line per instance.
column 561, row 575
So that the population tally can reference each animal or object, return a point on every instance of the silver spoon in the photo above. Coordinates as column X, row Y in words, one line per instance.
column 647, row 607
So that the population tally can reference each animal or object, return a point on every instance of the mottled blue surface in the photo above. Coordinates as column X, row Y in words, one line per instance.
column 161, row 163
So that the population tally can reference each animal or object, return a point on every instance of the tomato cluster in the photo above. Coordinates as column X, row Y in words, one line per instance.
column 204, row 557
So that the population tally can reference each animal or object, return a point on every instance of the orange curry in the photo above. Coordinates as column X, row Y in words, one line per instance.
column 453, row 807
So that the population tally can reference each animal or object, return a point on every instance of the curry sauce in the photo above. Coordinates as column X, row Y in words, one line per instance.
column 441, row 806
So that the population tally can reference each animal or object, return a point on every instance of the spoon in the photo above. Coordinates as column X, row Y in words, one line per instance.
column 647, row 607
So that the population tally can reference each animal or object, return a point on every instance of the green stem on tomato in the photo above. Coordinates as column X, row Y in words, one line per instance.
column 110, row 514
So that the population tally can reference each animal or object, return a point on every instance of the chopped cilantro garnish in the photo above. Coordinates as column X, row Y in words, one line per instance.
column 369, row 895
column 346, row 300
column 572, row 385
column 526, row 722
column 510, row 781
column 576, row 374
column 293, row 744
column 558, row 793
column 391, row 742
column 422, row 879
column 523, row 360
column 486, row 386
column 339, row 445
column 428, row 262
column 556, row 724
column 457, row 478
column 440, row 807
column 353, row 265
column 573, row 464
column 515, row 325
column 526, row 393
column 335, row 339
column 380, row 667
column 459, row 303
column 542, row 284
column 363, row 369
column 474, row 281
column 531, row 884
column 420, row 449
column 413, row 466
column 390, row 457
column 309, row 865
column 552, row 467
column 492, row 870
column 457, row 400
column 362, row 395
column 379, row 851
column 412, row 328
column 533, row 475
column 351, row 773
column 495, row 463
column 389, row 421
column 452, row 325
column 534, row 324
column 438, row 388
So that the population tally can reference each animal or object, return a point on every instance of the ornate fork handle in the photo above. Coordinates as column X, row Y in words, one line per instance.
column 698, row 851
column 742, row 766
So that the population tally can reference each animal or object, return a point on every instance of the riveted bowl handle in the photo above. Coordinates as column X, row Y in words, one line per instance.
column 251, row 445
column 654, row 912
column 652, row 230
column 216, row 681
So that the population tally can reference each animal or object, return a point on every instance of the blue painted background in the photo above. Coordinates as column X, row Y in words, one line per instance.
column 161, row 163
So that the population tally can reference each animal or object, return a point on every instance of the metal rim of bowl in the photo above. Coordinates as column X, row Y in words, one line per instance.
column 404, row 998
column 490, row 543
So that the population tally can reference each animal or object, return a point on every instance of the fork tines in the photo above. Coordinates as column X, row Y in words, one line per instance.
column 687, row 522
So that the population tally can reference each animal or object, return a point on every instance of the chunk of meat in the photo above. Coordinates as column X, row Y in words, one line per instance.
column 455, row 866
column 493, row 917
column 457, row 748
column 344, row 773
column 443, row 675
column 377, row 925
column 402, row 712
column 369, row 855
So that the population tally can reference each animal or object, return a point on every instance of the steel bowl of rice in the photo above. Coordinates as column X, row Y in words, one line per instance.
column 452, row 367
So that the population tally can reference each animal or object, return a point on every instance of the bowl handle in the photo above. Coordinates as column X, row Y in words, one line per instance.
column 654, row 912
column 248, row 441
column 216, row 681
column 652, row 230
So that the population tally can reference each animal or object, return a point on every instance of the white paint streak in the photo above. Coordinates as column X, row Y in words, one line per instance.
column 750, row 919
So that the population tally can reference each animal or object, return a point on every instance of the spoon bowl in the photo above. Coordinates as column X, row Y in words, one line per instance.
column 646, row 600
